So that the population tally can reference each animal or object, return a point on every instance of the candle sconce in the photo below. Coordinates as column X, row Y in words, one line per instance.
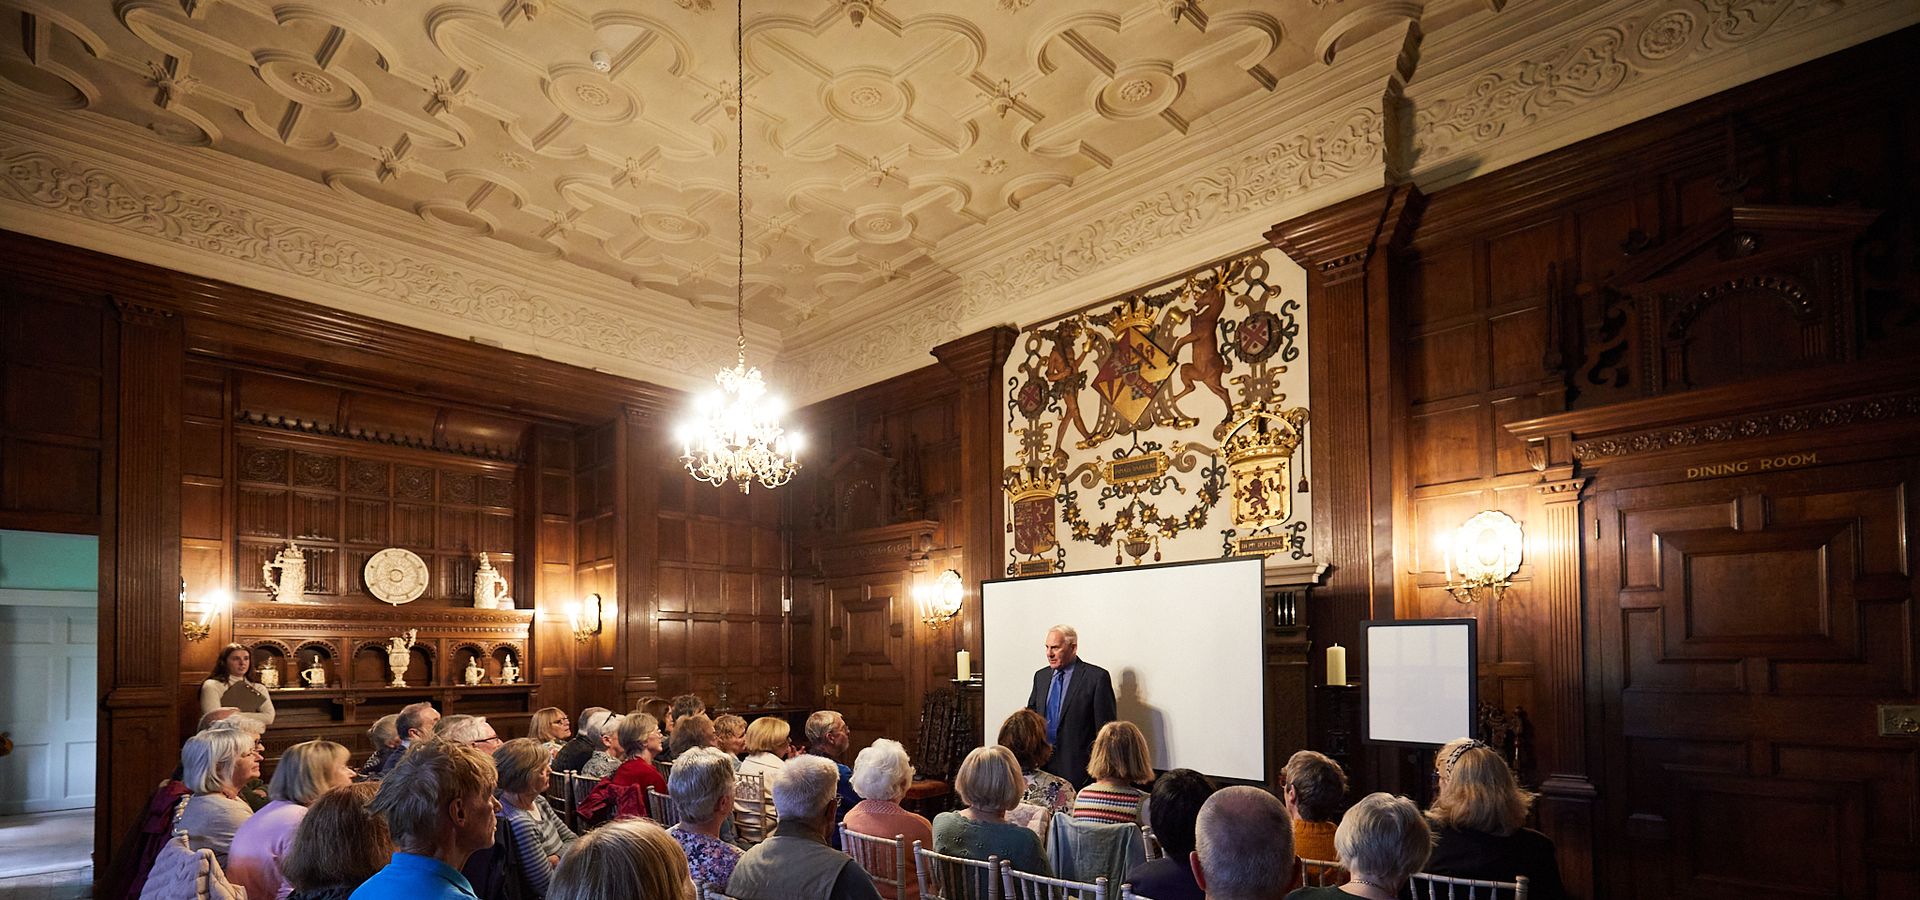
column 940, row 601
column 588, row 617
column 1484, row 554
column 196, row 617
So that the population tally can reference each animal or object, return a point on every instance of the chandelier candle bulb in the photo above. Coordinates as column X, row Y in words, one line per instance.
column 1336, row 666
column 962, row 666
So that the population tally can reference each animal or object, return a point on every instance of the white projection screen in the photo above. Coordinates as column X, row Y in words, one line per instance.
column 1183, row 643
column 1421, row 685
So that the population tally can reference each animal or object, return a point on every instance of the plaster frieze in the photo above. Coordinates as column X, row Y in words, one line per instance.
column 1474, row 110
column 62, row 188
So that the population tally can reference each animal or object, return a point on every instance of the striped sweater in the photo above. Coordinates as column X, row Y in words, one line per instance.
column 1107, row 802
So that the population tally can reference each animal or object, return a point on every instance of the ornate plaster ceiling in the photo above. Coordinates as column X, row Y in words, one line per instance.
column 930, row 168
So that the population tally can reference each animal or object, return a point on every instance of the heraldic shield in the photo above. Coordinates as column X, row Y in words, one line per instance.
column 1261, row 495
column 1030, row 492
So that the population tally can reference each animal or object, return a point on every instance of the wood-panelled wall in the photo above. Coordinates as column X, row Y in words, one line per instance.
column 1768, row 230
column 195, row 426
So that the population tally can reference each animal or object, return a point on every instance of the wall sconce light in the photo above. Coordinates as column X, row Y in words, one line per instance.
column 940, row 601
column 196, row 616
column 589, row 616
column 1484, row 555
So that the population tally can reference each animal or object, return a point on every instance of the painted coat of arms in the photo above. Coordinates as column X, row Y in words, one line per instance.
column 1114, row 437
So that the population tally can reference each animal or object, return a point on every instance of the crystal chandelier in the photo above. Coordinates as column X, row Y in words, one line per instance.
column 735, row 433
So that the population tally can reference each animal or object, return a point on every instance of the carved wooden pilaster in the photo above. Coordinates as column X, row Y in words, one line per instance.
column 635, row 643
column 1567, row 807
column 140, row 577
column 976, row 361
column 1355, row 392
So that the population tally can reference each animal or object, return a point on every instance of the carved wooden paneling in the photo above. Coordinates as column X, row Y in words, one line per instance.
column 1757, row 621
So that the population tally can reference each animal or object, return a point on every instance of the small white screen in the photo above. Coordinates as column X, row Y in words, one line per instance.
column 1419, row 683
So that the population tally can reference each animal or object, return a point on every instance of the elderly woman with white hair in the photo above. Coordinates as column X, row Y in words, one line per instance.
column 306, row 771
column 990, row 783
column 881, row 775
column 216, row 764
column 1383, row 840
column 701, row 784
column 797, row 863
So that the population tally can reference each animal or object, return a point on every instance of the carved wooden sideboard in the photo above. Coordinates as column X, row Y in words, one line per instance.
column 350, row 643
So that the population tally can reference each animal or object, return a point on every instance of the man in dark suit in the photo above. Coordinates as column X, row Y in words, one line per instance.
column 1076, row 698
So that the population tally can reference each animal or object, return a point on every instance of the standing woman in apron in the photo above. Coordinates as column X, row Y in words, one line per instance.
column 228, row 685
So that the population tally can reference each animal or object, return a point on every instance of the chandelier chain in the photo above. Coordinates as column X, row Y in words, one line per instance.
column 740, row 174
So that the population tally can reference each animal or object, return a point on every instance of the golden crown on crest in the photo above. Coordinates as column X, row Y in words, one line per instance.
column 1263, row 431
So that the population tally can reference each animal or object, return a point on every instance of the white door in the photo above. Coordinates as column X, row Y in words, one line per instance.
column 48, row 659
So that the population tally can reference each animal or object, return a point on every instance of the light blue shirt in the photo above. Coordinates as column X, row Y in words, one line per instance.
column 413, row 877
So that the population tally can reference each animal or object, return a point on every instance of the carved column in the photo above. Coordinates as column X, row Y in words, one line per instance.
column 140, row 570
column 1356, row 390
column 636, row 643
column 976, row 361
column 1555, row 539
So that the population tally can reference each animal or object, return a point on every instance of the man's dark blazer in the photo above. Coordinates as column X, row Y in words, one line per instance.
column 1088, row 705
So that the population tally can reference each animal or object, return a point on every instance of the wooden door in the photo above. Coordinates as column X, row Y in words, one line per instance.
column 1749, row 628
column 867, row 669
column 48, row 668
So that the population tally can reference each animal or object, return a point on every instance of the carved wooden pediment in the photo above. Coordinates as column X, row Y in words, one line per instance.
column 901, row 547
column 1774, row 286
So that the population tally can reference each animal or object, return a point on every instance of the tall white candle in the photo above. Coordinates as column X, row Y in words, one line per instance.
column 1337, row 665
column 963, row 665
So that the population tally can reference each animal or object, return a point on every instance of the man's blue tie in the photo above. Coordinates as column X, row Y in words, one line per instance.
column 1054, row 696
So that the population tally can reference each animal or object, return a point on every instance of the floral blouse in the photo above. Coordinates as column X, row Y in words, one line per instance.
column 710, row 858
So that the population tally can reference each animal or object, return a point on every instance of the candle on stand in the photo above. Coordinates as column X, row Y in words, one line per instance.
column 963, row 665
column 1337, row 665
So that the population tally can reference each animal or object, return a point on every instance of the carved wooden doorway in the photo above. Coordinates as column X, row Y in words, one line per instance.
column 867, row 669
column 1749, row 628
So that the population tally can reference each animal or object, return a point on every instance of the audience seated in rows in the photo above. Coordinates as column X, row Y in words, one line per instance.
column 828, row 737
column 1383, row 840
column 1121, row 763
column 1315, row 788
column 305, row 772
column 881, row 775
column 1479, row 816
column 383, row 737
column 578, row 749
column 989, row 783
column 701, row 785
column 632, row 859
column 339, row 844
column 551, row 728
column 1177, row 798
column 539, row 834
column 1243, row 846
column 691, row 731
column 218, row 762
column 797, row 862
column 767, row 751
column 603, row 731
column 440, row 807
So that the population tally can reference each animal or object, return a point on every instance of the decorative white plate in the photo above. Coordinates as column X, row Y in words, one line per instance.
column 396, row 576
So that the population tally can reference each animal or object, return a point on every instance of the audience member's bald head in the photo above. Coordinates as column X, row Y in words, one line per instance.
column 1243, row 845
column 215, row 715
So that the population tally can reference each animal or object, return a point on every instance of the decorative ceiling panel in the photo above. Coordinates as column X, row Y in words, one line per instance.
column 868, row 146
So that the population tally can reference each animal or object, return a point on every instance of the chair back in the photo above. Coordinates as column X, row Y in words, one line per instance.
column 1154, row 850
column 1126, row 893
column 1324, row 872
column 944, row 877
column 1085, row 851
column 711, row 891
column 662, row 809
column 1023, row 886
column 1440, row 887
column 750, row 822
column 885, row 859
